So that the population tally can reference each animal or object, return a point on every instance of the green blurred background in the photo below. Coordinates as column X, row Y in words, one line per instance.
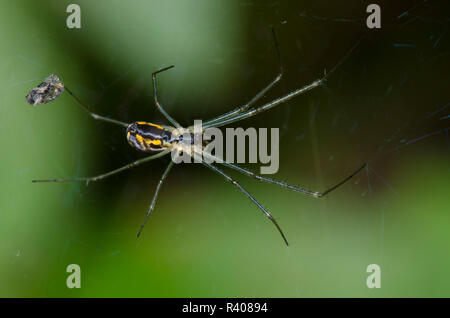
column 385, row 105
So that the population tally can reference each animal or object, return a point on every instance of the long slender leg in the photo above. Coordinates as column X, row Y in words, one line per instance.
column 108, row 174
column 155, row 196
column 283, row 184
column 95, row 116
column 283, row 99
column 227, row 177
column 161, row 109
column 245, row 107
column 267, row 106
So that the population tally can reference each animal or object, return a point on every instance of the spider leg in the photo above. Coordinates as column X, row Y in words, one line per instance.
column 228, row 178
column 245, row 107
column 282, row 99
column 95, row 116
column 158, row 105
column 110, row 173
column 155, row 196
column 283, row 184
column 267, row 106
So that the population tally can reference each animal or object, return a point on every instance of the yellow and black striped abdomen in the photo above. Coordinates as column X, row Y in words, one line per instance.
column 148, row 137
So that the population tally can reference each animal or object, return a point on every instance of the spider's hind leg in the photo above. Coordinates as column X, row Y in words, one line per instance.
column 158, row 105
column 110, row 173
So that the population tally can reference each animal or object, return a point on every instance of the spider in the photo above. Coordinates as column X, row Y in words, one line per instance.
column 163, row 139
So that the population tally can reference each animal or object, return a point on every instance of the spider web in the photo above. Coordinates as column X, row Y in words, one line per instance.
column 387, row 104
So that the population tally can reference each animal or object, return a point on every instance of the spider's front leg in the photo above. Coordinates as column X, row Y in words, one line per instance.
column 241, row 109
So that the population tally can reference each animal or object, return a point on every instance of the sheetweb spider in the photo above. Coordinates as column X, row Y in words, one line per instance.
column 148, row 137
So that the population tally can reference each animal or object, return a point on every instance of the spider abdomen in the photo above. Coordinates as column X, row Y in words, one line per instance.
column 148, row 137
